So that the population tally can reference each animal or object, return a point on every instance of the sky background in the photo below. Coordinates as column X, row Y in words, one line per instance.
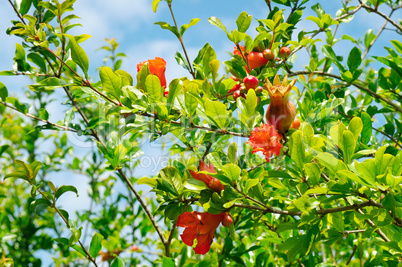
column 131, row 22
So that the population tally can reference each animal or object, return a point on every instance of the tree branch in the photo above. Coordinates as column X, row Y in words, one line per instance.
column 381, row 14
column 39, row 119
column 367, row 90
column 17, row 12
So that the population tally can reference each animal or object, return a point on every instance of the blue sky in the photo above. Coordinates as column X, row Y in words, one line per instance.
column 131, row 22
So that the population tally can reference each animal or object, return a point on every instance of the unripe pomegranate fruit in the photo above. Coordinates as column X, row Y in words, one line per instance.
column 216, row 185
column 295, row 124
column 280, row 113
column 250, row 82
column 227, row 220
column 268, row 54
column 236, row 94
column 235, row 88
column 284, row 52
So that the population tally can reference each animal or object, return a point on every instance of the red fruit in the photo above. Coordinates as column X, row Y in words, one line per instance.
column 235, row 88
column 227, row 220
column 284, row 52
column 268, row 54
column 134, row 248
column 216, row 185
column 236, row 94
column 250, row 82
column 256, row 59
column 295, row 124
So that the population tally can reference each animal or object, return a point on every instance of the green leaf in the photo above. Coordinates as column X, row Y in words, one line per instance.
column 336, row 220
column 243, row 21
column 65, row 188
column 153, row 88
column 318, row 10
column 166, row 26
column 3, row 92
column 175, row 87
column 25, row 6
column 41, row 201
column 349, row 144
column 397, row 45
column 21, row 175
column 50, row 83
column 216, row 22
column 78, row 55
column 232, row 152
column 356, row 127
column 232, row 171
column 354, row 59
column 330, row 162
column 316, row 20
column 118, row 262
column 329, row 52
column 296, row 148
column 190, row 100
column 184, row 27
column 168, row 262
column 313, row 173
column 96, row 245
column 111, row 82
column 155, row 4
column 217, row 112
column 79, row 249
column 346, row 174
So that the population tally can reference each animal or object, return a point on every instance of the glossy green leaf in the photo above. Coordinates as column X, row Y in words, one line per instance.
column 41, row 201
column 168, row 262
column 111, row 82
column 25, row 6
column 184, row 27
column 356, row 127
column 166, row 26
column 190, row 100
column 78, row 55
column 153, row 88
column 65, row 188
column 329, row 52
column 3, row 92
column 217, row 112
column 243, row 21
column 232, row 152
column 175, row 87
column 95, row 245
column 349, row 144
column 354, row 59
column 296, row 148
column 155, row 4
column 232, row 171
column 216, row 22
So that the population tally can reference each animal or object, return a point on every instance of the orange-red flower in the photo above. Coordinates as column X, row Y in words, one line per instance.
column 200, row 226
column 265, row 139
column 157, row 67
column 280, row 113
column 210, row 181
column 255, row 59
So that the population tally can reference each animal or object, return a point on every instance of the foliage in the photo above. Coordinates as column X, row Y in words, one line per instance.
column 328, row 195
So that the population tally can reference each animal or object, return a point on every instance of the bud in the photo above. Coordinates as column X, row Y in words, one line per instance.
column 295, row 124
column 284, row 52
column 236, row 94
column 227, row 220
column 280, row 113
column 268, row 54
column 259, row 90
column 250, row 82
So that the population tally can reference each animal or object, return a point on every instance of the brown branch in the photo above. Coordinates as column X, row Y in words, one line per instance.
column 17, row 12
column 367, row 90
column 39, row 119
column 376, row 37
column 382, row 15
column 85, row 82
column 181, row 40
column 193, row 126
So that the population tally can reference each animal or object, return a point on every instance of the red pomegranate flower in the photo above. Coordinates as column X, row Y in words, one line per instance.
column 200, row 226
column 265, row 139
column 280, row 113
column 210, row 181
column 157, row 67
column 255, row 59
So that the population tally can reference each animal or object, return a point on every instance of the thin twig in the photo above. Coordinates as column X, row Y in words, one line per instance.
column 381, row 14
column 181, row 40
column 367, row 90
column 376, row 37
column 39, row 119
column 17, row 12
